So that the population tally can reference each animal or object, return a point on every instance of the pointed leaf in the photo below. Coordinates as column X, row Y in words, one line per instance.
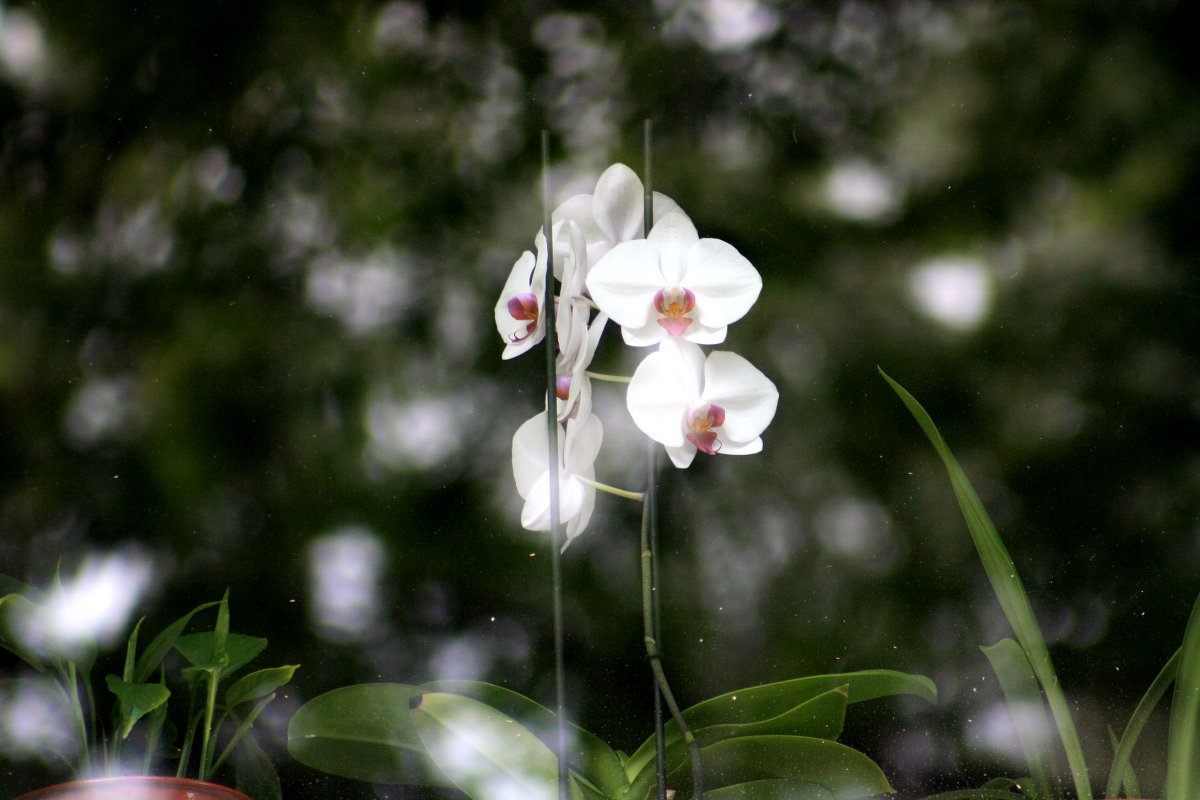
column 255, row 772
column 14, row 607
column 1137, row 721
column 1183, row 736
column 134, row 701
column 1028, row 712
column 486, row 753
column 588, row 755
column 153, row 655
column 1009, row 591
column 239, row 650
column 258, row 684
column 363, row 732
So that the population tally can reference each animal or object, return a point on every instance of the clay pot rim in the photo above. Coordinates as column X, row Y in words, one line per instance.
column 161, row 781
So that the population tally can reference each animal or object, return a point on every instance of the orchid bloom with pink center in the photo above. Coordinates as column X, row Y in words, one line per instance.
column 689, row 403
column 614, row 213
column 519, row 311
column 578, row 446
column 673, row 284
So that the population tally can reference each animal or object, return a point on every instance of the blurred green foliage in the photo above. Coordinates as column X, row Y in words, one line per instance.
column 248, row 254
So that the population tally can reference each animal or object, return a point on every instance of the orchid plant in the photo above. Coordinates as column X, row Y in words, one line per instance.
column 102, row 723
column 625, row 254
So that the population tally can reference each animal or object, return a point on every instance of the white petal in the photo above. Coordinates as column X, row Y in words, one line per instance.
column 664, row 205
column 663, row 386
column 535, row 516
column 674, row 234
column 729, row 448
column 725, row 283
column 644, row 335
column 748, row 396
column 530, row 453
column 527, row 275
column 682, row 455
column 619, row 203
column 699, row 333
column 624, row 282
column 583, row 438
column 579, row 522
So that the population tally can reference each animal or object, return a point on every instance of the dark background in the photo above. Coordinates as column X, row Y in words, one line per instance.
column 248, row 257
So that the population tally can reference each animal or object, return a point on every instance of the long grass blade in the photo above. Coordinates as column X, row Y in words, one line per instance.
column 1183, row 738
column 1007, row 586
column 1133, row 729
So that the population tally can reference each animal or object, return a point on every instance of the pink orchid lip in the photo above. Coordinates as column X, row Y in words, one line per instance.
column 675, row 303
column 562, row 387
column 523, row 307
column 702, row 419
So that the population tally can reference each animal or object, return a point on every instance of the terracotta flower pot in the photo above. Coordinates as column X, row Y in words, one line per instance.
column 138, row 787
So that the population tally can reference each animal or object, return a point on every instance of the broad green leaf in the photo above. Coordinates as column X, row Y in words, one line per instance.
column 487, row 754
column 842, row 771
column 363, row 732
column 256, row 775
column 588, row 755
column 198, row 649
column 1027, row 710
column 153, row 655
column 772, row 789
column 1006, row 584
column 1137, row 722
column 758, row 703
column 1183, row 736
column 134, row 701
column 14, row 607
column 821, row 717
column 258, row 684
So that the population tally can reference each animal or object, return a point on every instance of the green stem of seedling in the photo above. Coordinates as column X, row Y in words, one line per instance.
column 72, row 687
column 206, row 743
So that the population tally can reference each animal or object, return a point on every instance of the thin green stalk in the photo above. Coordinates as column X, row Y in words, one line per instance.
column 1137, row 721
column 72, row 687
column 206, row 742
column 600, row 376
column 556, row 533
column 655, row 656
column 613, row 490
column 242, row 729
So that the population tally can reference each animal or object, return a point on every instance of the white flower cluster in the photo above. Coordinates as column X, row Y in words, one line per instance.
column 671, row 289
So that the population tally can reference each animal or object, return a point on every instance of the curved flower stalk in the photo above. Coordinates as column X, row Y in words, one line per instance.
column 674, row 284
column 690, row 403
column 578, row 447
column 614, row 213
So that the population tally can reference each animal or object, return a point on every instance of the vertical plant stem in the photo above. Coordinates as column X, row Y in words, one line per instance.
column 651, row 480
column 556, row 534
column 648, row 602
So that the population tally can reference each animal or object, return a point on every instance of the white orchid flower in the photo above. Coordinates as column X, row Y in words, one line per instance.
column 614, row 213
column 673, row 284
column 519, row 311
column 689, row 403
column 578, row 446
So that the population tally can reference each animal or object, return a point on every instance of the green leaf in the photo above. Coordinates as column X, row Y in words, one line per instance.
column 134, row 701
column 1006, row 584
column 131, row 651
column 771, row 789
column 1128, row 782
column 1027, row 710
column 258, row 684
column 221, row 631
column 588, row 755
column 255, row 772
column 840, row 770
column 486, row 753
column 239, row 650
column 153, row 655
column 13, row 608
column 1137, row 722
column 363, row 732
column 1183, row 736
column 820, row 717
column 758, row 703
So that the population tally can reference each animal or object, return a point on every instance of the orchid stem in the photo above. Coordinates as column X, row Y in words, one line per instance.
column 649, row 623
column 600, row 376
column 556, row 533
column 604, row 487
